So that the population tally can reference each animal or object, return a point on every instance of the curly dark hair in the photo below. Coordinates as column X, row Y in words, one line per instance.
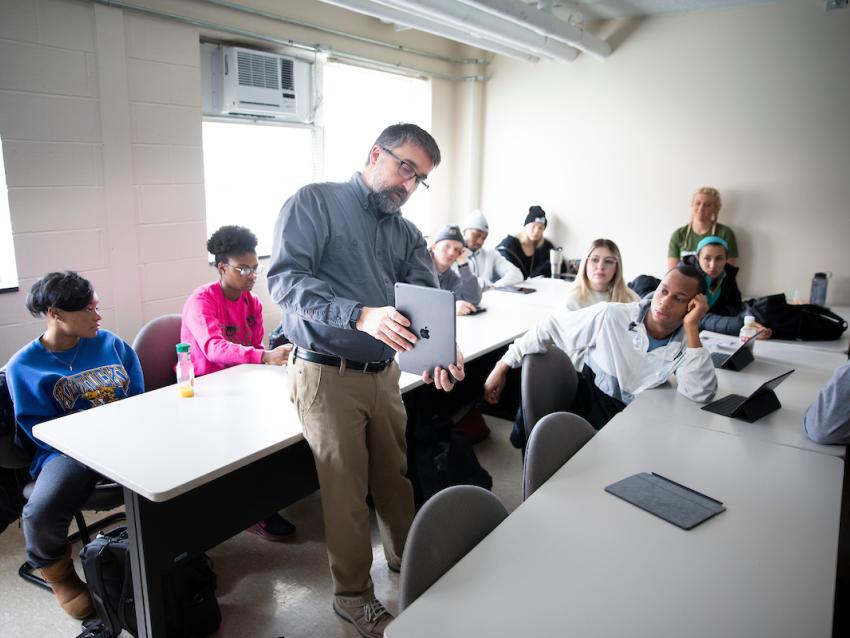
column 64, row 290
column 229, row 241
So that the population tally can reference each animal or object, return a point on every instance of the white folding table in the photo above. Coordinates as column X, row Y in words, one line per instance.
column 574, row 560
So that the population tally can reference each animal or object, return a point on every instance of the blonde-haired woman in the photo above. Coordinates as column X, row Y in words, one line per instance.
column 600, row 278
column 705, row 206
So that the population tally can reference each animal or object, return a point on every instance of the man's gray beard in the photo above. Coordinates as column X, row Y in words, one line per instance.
column 384, row 203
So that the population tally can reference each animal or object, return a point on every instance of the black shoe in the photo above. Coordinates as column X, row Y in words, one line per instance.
column 275, row 528
column 94, row 628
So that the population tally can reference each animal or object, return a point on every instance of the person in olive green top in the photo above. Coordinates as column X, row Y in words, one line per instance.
column 705, row 206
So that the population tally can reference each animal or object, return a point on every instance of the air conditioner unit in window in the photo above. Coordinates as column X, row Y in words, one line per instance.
column 265, row 85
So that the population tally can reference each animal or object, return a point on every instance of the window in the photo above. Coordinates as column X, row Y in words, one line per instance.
column 8, row 268
column 357, row 105
column 250, row 170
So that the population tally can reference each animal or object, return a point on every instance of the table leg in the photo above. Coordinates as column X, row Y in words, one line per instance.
column 147, row 578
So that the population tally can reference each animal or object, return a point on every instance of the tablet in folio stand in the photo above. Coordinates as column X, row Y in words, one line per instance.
column 751, row 408
column 432, row 318
column 675, row 503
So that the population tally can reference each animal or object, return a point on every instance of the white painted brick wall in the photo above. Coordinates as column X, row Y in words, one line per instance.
column 158, row 203
column 32, row 116
column 20, row 21
column 52, row 121
column 167, row 165
column 52, row 164
column 172, row 305
column 43, row 209
column 161, row 41
column 158, row 124
column 166, row 242
column 179, row 277
column 38, row 253
column 44, row 69
column 163, row 83
column 65, row 24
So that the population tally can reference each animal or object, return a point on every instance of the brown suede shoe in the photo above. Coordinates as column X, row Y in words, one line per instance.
column 368, row 616
column 71, row 592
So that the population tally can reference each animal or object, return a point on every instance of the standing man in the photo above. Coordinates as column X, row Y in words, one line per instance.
column 338, row 250
column 488, row 264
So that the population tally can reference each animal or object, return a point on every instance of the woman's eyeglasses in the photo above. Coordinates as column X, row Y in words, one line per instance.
column 245, row 271
column 608, row 262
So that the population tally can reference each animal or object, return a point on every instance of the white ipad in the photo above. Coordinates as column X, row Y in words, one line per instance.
column 432, row 319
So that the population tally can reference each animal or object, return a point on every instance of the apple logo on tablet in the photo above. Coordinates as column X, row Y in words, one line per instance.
column 424, row 333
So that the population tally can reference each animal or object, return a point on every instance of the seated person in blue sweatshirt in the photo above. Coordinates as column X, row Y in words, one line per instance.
column 73, row 366
column 726, row 309
column 447, row 250
column 827, row 420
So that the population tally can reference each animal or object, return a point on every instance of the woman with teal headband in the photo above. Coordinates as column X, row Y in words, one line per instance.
column 726, row 309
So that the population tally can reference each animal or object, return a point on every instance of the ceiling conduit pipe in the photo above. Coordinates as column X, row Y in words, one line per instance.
column 367, row 7
column 233, row 6
column 286, row 42
column 543, row 23
column 475, row 20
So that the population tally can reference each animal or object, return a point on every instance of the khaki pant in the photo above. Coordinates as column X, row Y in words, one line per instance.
column 355, row 425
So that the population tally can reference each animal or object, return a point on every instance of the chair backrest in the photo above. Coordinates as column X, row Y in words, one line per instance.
column 155, row 347
column 13, row 456
column 549, row 384
column 450, row 524
column 554, row 440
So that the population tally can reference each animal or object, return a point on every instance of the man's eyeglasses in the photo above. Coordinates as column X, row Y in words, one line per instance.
column 405, row 169
column 245, row 271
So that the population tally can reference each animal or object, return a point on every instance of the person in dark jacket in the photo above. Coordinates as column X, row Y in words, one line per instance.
column 726, row 309
column 528, row 250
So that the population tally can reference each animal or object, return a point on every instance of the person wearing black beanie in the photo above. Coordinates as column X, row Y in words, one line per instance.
column 528, row 250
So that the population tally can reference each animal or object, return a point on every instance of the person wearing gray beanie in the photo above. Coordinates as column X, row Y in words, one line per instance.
column 528, row 250
column 447, row 248
column 487, row 264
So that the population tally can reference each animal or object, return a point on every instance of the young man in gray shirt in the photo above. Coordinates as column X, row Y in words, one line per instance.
column 338, row 250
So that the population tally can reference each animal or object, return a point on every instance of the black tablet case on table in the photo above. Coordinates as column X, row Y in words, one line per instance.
column 666, row 499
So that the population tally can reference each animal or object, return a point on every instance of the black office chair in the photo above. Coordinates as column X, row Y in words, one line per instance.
column 549, row 384
column 448, row 526
column 554, row 440
column 154, row 346
column 15, row 456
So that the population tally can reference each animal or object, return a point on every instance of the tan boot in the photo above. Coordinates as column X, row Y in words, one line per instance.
column 71, row 592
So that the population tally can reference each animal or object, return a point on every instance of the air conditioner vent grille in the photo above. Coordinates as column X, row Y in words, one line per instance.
column 287, row 75
column 257, row 70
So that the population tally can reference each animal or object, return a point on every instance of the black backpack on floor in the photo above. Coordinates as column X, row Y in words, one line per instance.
column 191, row 609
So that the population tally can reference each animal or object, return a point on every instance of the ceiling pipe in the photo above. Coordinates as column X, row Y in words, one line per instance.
column 419, row 23
column 543, row 23
column 312, row 48
column 259, row 13
column 466, row 18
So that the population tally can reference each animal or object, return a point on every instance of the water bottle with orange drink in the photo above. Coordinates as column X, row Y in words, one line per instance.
column 185, row 371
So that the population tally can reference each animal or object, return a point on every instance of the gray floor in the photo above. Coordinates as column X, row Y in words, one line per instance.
column 266, row 590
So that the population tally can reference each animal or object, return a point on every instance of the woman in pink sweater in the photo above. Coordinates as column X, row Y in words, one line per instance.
column 223, row 324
